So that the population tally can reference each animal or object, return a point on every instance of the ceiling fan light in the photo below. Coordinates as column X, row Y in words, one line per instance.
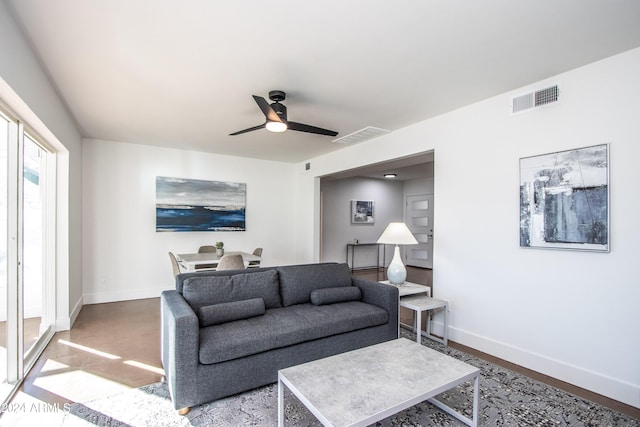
column 276, row 126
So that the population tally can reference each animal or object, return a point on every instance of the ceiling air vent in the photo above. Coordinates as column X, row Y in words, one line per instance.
column 535, row 99
column 366, row 133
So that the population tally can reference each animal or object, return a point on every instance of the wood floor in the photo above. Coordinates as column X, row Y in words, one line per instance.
column 111, row 348
column 116, row 346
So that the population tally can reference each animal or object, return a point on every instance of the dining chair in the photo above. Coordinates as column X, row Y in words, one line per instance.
column 206, row 249
column 231, row 262
column 255, row 264
column 174, row 264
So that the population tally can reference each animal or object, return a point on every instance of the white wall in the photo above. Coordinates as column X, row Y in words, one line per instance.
column 125, row 258
column 26, row 90
column 572, row 315
column 416, row 187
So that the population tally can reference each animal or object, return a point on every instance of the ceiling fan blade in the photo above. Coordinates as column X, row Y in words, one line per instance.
column 248, row 130
column 301, row 127
column 268, row 112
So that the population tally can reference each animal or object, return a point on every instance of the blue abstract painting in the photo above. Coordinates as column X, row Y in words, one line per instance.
column 564, row 199
column 198, row 205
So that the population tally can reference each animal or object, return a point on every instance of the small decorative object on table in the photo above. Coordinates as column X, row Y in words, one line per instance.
column 220, row 248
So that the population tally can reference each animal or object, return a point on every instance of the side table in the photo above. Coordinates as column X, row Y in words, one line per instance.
column 410, row 288
column 420, row 303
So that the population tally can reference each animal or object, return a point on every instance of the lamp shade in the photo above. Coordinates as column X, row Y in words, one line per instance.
column 397, row 233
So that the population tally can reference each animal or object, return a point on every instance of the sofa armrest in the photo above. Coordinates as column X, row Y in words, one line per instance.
column 180, row 341
column 379, row 294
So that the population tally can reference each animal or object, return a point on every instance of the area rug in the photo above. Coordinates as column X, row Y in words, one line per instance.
column 506, row 399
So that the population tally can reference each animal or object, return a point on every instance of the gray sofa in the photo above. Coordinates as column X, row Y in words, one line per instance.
column 225, row 332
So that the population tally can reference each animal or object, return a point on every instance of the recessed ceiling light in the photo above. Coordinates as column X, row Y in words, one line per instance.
column 390, row 175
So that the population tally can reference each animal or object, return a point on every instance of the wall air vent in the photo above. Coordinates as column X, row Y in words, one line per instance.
column 535, row 99
column 358, row 136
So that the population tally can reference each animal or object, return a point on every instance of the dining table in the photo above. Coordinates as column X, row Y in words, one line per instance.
column 209, row 260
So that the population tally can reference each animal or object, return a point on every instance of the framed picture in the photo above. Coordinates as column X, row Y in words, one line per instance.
column 564, row 200
column 198, row 205
column 362, row 212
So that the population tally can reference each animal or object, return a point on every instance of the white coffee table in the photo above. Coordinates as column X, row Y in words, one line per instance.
column 420, row 303
column 361, row 387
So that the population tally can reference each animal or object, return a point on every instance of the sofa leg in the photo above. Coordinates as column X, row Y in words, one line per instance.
column 184, row 411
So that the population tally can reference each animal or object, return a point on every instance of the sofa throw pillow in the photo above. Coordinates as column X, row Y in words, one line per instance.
column 334, row 295
column 216, row 314
column 297, row 281
column 263, row 284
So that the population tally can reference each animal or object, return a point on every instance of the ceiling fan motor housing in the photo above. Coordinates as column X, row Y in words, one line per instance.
column 280, row 110
column 277, row 95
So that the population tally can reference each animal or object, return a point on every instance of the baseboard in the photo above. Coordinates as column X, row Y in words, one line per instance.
column 612, row 388
column 65, row 323
column 115, row 296
column 75, row 312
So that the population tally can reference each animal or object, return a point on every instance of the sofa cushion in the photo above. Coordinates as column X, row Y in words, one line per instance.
column 203, row 290
column 297, row 281
column 206, row 290
column 282, row 327
column 263, row 283
column 333, row 295
column 216, row 314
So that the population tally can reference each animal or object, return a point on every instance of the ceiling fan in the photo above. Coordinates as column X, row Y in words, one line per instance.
column 276, row 117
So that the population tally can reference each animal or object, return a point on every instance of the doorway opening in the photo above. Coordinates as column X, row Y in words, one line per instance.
column 393, row 200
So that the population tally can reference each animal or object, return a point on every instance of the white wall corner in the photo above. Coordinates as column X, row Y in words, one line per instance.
column 65, row 323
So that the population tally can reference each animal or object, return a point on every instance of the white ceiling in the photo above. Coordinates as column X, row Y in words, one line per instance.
column 181, row 73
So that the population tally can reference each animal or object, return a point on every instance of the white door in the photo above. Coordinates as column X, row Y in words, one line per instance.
column 419, row 219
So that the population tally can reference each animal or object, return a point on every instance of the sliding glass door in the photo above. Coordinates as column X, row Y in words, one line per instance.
column 4, row 143
column 26, row 312
column 34, row 316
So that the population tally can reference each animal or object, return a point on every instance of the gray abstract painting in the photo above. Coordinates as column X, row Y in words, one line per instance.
column 362, row 212
column 564, row 199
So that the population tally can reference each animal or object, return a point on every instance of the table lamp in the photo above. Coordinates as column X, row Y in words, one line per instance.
column 397, row 233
